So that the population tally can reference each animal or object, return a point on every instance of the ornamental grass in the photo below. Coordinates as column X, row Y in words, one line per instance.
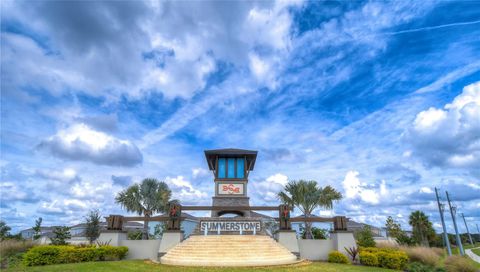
column 425, row 255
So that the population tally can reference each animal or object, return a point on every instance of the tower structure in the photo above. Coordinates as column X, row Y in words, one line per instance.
column 231, row 168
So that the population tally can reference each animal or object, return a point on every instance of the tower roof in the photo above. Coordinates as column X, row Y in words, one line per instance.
column 211, row 155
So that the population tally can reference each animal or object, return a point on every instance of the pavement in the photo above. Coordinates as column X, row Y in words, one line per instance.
column 472, row 255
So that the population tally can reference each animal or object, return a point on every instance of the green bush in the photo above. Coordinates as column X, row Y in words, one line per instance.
column 368, row 259
column 458, row 264
column 51, row 254
column 420, row 267
column 337, row 257
column 364, row 237
column 386, row 257
column 393, row 260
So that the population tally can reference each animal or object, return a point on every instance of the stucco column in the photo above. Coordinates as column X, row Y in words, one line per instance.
column 288, row 239
column 342, row 239
column 170, row 238
column 112, row 237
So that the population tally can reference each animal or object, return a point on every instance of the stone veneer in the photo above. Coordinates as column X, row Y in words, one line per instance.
column 231, row 201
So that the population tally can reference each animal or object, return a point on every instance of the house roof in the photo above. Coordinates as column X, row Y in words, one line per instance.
column 255, row 214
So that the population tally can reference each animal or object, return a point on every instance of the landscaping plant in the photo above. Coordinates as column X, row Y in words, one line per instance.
column 337, row 257
column 11, row 251
column 60, row 234
column 353, row 252
column 307, row 196
column 420, row 267
column 386, row 257
column 424, row 255
column 364, row 237
column 368, row 259
column 92, row 231
column 37, row 228
column 148, row 197
column 4, row 230
column 50, row 254
column 458, row 264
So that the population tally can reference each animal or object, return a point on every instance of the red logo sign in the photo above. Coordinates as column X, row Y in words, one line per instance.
column 231, row 189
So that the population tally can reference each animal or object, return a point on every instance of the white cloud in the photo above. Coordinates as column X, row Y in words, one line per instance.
column 450, row 136
column 80, row 142
column 278, row 178
column 268, row 189
column 426, row 190
column 199, row 172
column 183, row 190
column 355, row 189
column 11, row 192
column 67, row 175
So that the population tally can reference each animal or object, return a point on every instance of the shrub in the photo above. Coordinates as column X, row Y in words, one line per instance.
column 51, row 254
column 41, row 255
column 364, row 237
column 420, row 267
column 353, row 252
column 458, row 264
column 405, row 240
column 386, row 257
column 337, row 257
column 393, row 260
column 368, row 259
column 423, row 255
column 12, row 247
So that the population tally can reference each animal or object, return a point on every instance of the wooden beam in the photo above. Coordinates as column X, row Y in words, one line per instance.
column 143, row 218
column 312, row 219
column 230, row 208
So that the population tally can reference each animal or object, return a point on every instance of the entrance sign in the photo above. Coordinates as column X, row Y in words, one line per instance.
column 230, row 226
column 230, row 188
column 231, row 168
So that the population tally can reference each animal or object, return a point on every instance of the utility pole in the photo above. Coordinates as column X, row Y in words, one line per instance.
column 453, row 212
column 469, row 236
column 441, row 209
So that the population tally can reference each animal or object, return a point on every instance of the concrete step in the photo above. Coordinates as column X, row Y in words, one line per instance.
column 228, row 250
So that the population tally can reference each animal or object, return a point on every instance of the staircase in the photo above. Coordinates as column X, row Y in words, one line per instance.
column 228, row 250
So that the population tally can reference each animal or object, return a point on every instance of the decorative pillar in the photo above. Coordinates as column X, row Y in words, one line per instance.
column 173, row 235
column 114, row 233
column 341, row 237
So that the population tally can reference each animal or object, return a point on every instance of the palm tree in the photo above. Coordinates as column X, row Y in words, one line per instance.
column 146, row 198
column 421, row 226
column 307, row 196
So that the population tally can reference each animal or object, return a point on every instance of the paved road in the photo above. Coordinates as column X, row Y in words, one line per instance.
column 472, row 255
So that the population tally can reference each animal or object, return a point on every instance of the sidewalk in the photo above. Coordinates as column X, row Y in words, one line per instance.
column 472, row 255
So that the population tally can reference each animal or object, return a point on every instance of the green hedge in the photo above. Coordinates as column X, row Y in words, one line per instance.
column 368, row 259
column 337, row 257
column 385, row 257
column 50, row 254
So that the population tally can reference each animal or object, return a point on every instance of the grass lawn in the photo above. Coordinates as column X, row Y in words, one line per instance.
column 476, row 251
column 139, row 265
column 456, row 250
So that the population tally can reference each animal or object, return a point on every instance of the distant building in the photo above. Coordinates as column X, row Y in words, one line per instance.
column 357, row 226
column 27, row 234
column 77, row 231
column 351, row 226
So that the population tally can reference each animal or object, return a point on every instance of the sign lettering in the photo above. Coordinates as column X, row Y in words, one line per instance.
column 230, row 225
column 230, row 189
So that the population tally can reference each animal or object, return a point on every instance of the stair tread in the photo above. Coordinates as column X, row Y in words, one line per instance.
column 228, row 250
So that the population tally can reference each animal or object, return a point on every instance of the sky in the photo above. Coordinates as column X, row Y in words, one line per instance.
column 380, row 100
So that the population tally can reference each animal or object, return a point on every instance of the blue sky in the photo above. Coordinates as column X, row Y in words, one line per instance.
column 381, row 100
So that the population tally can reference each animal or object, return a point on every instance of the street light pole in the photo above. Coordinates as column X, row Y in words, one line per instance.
column 441, row 209
column 469, row 236
column 453, row 211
